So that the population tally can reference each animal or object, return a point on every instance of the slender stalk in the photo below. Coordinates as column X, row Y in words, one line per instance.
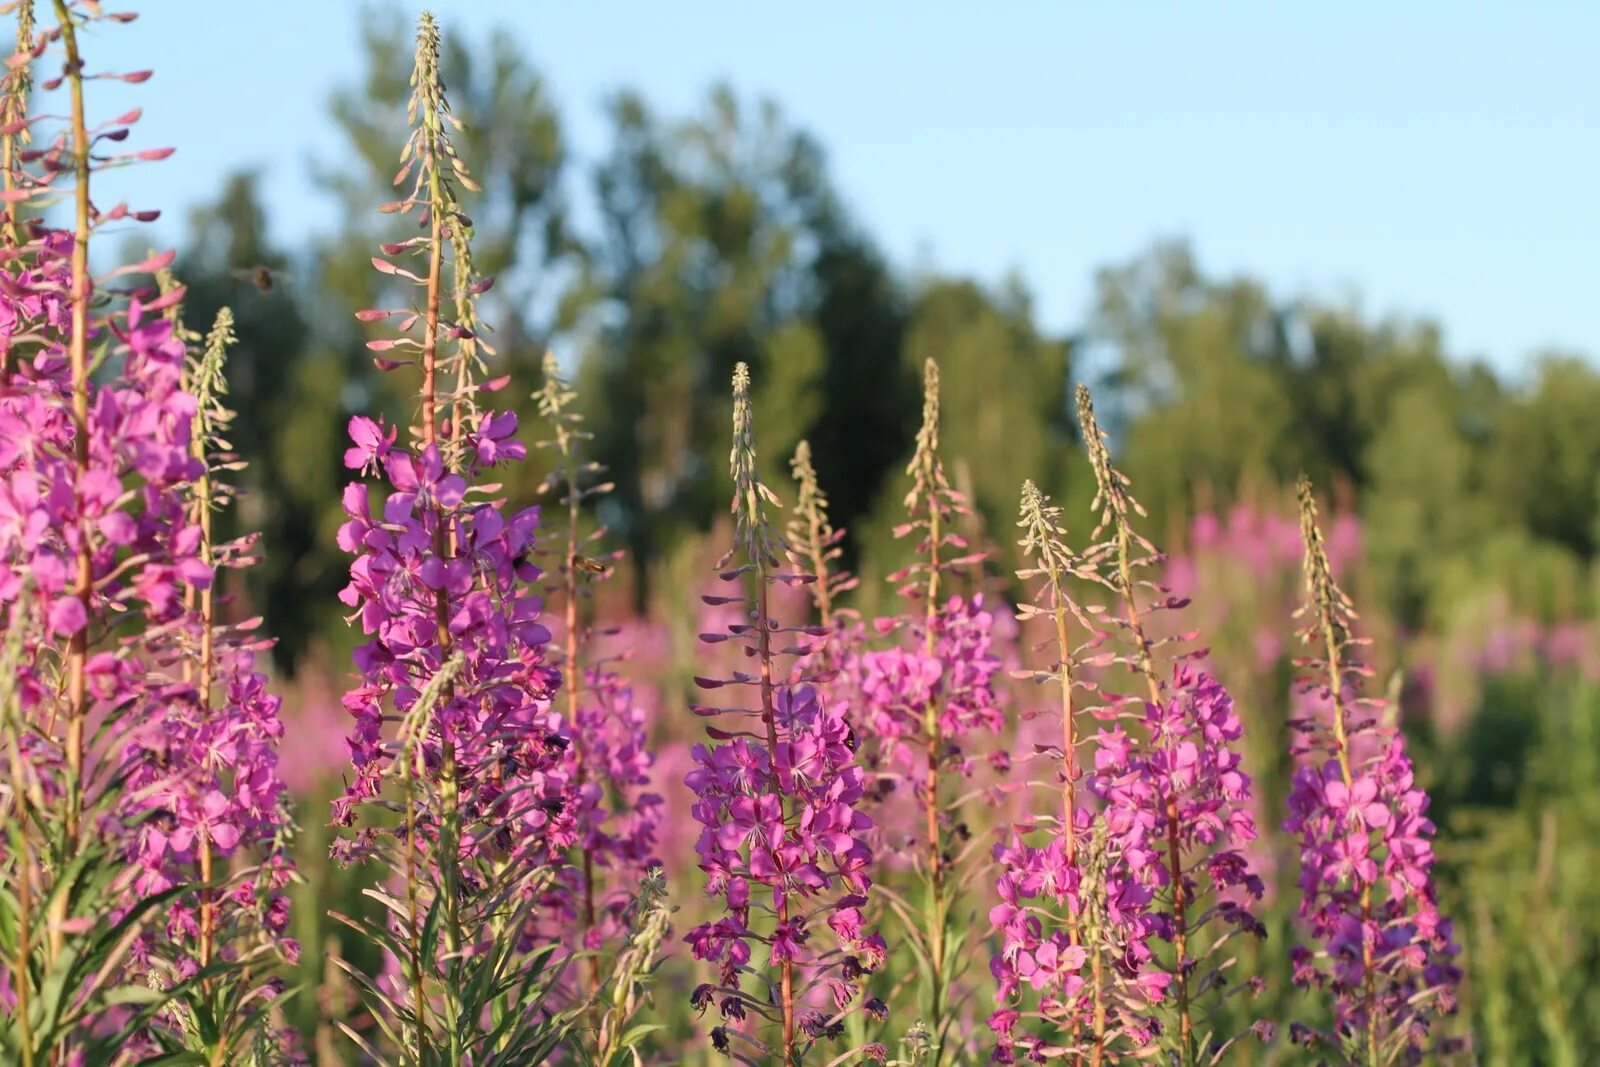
column 419, row 997
column 449, row 787
column 934, row 912
column 78, row 356
column 1069, row 741
column 22, row 963
column 769, row 719
column 1335, row 668
column 1117, row 503
column 574, row 678
column 207, row 609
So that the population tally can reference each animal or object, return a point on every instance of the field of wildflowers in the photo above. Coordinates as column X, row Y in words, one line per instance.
column 1129, row 804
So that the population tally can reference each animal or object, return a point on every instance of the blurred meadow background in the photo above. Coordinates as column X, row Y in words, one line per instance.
column 1272, row 240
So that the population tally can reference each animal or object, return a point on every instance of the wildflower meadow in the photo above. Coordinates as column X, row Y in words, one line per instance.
column 1047, row 778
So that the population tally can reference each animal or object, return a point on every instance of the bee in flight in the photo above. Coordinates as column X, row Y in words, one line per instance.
column 593, row 566
column 261, row 276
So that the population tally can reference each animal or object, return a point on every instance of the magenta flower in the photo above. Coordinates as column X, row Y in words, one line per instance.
column 782, row 839
column 1381, row 947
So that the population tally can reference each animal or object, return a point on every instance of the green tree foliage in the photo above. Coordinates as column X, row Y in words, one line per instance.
column 291, row 427
column 717, row 237
column 721, row 241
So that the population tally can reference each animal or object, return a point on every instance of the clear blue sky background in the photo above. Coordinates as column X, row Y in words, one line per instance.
column 1427, row 158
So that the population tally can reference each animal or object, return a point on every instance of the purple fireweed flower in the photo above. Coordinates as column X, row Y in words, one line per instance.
column 898, row 684
column 616, row 813
column 789, row 824
column 506, row 742
column 782, row 839
column 1075, row 971
column 1381, row 947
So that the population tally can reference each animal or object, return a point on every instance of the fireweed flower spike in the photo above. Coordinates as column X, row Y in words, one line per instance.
column 616, row 813
column 819, row 544
column 782, row 840
column 454, row 702
column 117, row 780
column 921, row 696
column 1073, row 966
column 1382, row 950
column 1178, row 774
column 208, row 771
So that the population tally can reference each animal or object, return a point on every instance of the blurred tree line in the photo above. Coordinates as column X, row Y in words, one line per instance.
column 717, row 237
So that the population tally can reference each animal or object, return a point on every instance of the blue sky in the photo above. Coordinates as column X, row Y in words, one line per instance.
column 1425, row 159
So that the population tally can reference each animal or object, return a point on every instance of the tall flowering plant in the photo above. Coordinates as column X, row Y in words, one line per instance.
column 454, row 725
column 140, row 746
column 1117, row 919
column 778, row 796
column 1170, row 765
column 1380, row 947
column 209, row 766
column 921, row 697
column 1075, row 973
column 616, row 812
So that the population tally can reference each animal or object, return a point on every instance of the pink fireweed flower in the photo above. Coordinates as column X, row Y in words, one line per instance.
column 609, row 762
column 1381, row 947
column 617, row 814
column 207, row 767
column 1169, row 764
column 1183, row 783
column 453, row 713
column 1075, row 971
column 506, row 742
column 782, row 839
column 899, row 684
column 139, row 740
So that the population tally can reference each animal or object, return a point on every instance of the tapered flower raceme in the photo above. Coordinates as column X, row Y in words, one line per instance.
column 1188, row 764
column 1381, row 947
column 922, row 697
column 208, row 765
column 140, row 743
column 454, row 714
column 616, row 813
column 1170, row 763
column 508, row 741
column 783, row 839
column 1075, row 971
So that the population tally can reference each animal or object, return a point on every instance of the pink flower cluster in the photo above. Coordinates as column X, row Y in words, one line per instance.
column 786, row 820
column 617, row 813
column 897, row 684
column 1184, row 778
column 1382, row 947
column 1177, row 785
column 438, row 573
column 1098, row 887
column 195, row 773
